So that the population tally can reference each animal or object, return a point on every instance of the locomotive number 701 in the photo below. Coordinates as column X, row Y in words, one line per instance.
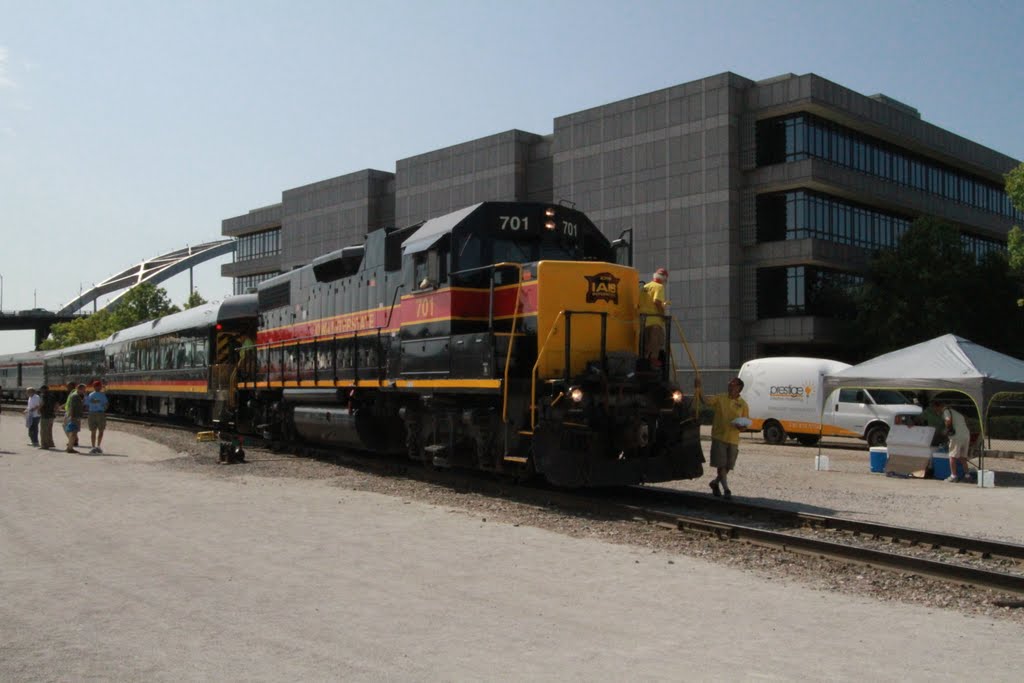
column 517, row 223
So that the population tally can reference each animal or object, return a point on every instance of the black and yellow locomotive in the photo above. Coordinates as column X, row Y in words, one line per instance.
column 501, row 337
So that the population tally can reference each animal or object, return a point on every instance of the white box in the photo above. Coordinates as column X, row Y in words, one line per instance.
column 986, row 479
column 910, row 436
column 910, row 441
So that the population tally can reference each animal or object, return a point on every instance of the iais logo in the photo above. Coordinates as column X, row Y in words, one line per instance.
column 602, row 287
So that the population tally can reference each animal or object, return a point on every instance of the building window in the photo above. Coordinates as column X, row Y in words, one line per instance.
column 800, row 136
column 258, row 245
column 807, row 291
column 803, row 214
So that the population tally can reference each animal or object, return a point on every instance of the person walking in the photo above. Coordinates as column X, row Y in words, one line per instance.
column 47, row 413
column 32, row 415
column 75, row 408
column 728, row 408
column 652, row 305
column 97, row 404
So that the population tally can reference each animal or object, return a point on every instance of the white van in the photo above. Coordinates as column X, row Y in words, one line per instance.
column 785, row 399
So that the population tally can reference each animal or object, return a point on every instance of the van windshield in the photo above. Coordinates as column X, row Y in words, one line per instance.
column 888, row 397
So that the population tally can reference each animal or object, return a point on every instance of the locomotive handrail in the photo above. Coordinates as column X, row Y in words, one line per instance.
column 394, row 299
column 511, row 336
column 533, row 373
column 568, row 358
column 686, row 346
column 493, row 267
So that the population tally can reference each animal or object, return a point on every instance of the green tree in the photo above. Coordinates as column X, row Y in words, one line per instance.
column 930, row 285
column 1015, row 241
column 142, row 302
column 194, row 299
column 99, row 325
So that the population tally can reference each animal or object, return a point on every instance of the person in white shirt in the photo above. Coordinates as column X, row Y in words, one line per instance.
column 32, row 415
column 959, row 438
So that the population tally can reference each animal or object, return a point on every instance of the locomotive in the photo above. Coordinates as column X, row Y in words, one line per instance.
column 502, row 337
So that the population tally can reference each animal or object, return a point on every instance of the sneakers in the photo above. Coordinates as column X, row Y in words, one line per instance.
column 96, row 451
column 952, row 479
column 714, row 488
column 727, row 493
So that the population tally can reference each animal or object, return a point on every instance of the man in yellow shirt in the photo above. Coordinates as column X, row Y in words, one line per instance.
column 652, row 305
column 725, row 434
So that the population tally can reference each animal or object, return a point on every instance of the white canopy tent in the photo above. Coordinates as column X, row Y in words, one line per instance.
column 946, row 363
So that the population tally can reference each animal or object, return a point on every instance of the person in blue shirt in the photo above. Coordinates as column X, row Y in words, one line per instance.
column 97, row 403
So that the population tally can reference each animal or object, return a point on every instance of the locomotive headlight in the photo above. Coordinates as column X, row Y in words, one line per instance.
column 549, row 212
column 576, row 394
column 677, row 396
column 549, row 225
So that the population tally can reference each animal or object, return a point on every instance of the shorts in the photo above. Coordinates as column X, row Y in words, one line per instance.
column 97, row 421
column 71, row 427
column 958, row 448
column 723, row 455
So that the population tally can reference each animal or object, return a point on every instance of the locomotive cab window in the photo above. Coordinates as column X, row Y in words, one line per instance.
column 430, row 268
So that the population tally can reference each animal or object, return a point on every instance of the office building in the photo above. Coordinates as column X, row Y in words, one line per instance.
column 762, row 198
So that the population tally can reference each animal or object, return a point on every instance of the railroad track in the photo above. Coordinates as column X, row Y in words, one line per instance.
column 654, row 505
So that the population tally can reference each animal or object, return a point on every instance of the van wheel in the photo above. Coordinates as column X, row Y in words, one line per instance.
column 774, row 433
column 808, row 439
column 876, row 435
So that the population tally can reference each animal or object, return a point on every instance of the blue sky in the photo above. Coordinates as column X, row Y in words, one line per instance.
column 128, row 129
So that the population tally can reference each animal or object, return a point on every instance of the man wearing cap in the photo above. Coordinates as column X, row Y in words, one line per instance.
column 97, row 403
column 652, row 310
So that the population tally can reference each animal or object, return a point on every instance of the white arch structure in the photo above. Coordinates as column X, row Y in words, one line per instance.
column 153, row 270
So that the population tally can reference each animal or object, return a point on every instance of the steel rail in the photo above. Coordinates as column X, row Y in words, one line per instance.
column 983, row 578
column 983, row 547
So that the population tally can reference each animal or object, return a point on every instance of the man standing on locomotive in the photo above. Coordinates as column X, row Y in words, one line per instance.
column 652, row 305
column 731, row 414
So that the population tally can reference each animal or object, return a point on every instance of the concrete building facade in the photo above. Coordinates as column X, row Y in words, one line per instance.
column 758, row 196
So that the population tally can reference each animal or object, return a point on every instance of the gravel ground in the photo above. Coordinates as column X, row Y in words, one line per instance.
column 781, row 475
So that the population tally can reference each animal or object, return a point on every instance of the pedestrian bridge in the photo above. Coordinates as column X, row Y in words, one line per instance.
column 154, row 270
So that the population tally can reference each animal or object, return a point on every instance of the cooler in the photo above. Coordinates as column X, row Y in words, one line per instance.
column 879, row 454
column 940, row 467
